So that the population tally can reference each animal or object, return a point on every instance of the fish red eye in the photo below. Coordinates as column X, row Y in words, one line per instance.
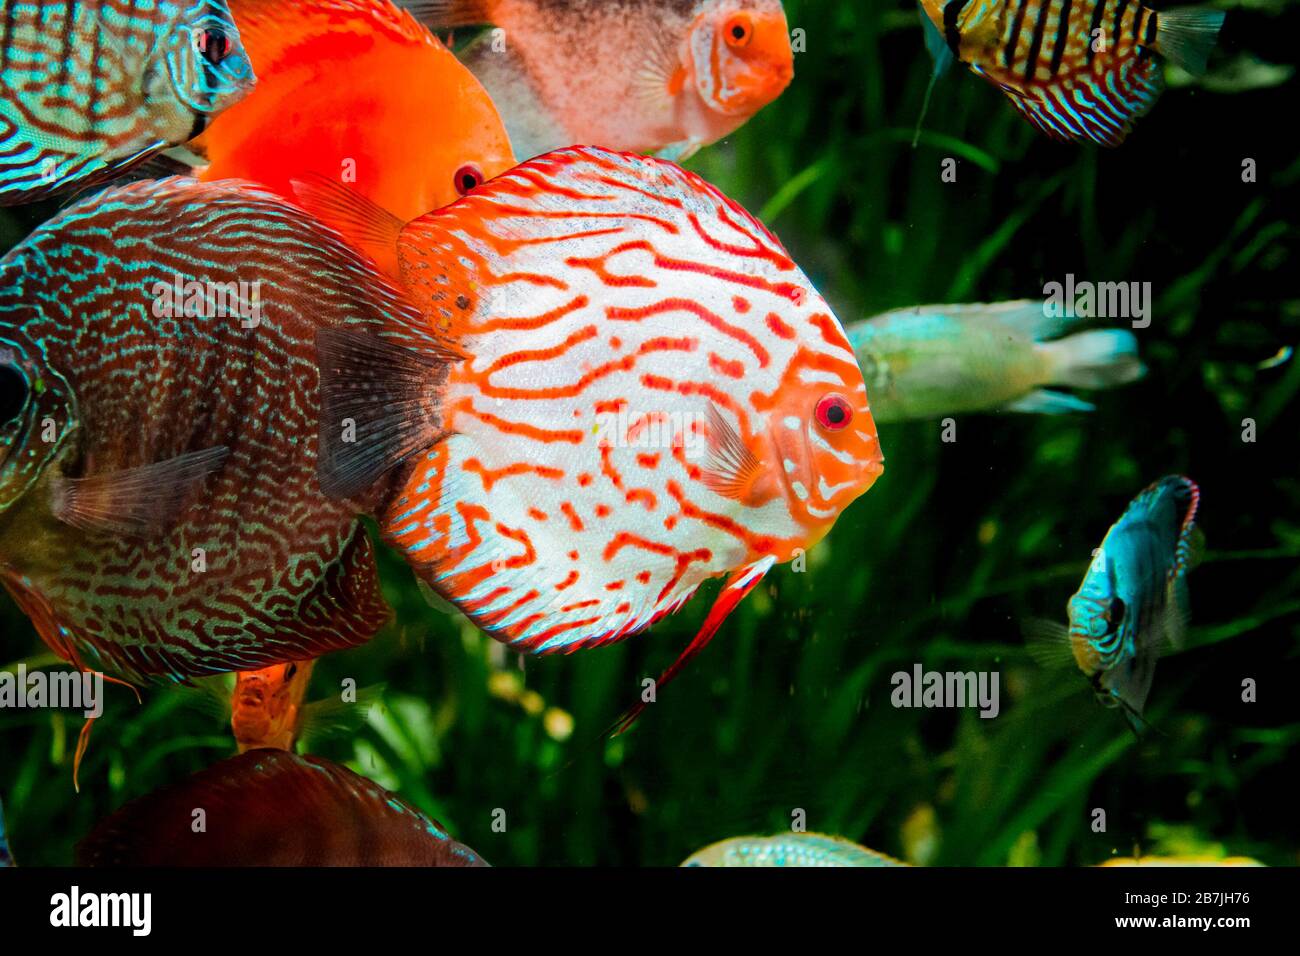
column 214, row 46
column 468, row 178
column 739, row 30
column 834, row 413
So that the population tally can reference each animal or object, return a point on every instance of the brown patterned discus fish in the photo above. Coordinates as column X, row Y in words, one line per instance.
column 273, row 808
column 91, row 88
column 159, row 509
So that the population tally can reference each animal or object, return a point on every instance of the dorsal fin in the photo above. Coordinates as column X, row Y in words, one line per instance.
column 366, row 225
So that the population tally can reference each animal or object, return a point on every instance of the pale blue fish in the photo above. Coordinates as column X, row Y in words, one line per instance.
column 937, row 360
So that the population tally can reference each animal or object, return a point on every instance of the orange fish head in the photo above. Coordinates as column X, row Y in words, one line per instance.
column 820, row 447
column 266, row 703
column 742, row 55
column 37, row 414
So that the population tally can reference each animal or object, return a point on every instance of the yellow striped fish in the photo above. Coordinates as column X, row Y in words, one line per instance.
column 94, row 87
column 1079, row 70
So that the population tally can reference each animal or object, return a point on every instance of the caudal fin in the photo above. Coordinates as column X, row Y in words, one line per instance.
column 1104, row 358
column 1186, row 35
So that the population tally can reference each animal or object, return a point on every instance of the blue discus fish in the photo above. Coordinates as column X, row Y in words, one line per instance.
column 92, row 88
column 1133, row 600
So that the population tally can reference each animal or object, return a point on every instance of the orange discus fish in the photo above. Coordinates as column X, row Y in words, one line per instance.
column 651, row 394
column 358, row 91
column 267, row 707
column 651, row 76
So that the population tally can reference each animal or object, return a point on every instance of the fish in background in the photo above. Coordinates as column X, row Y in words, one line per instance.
column 932, row 361
column 1182, row 861
column 1079, row 72
column 268, row 706
column 6, row 857
column 652, row 394
column 789, row 849
column 159, row 509
column 647, row 76
column 272, row 808
column 358, row 91
column 1132, row 603
column 93, row 88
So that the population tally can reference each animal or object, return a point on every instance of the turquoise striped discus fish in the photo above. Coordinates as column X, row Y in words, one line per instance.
column 1133, row 599
column 94, row 87
column 789, row 849
column 1079, row 70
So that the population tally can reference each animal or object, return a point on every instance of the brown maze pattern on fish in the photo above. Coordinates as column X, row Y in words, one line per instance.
column 289, row 573
column 74, row 99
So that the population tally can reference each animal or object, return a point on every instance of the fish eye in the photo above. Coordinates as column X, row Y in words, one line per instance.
column 214, row 46
column 293, row 669
column 468, row 178
column 13, row 393
column 834, row 413
column 739, row 30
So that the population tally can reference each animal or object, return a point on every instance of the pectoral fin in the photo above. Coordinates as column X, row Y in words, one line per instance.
column 135, row 502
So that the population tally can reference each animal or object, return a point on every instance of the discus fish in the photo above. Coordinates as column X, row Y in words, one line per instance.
column 648, row 76
column 356, row 90
column 95, row 87
column 939, row 360
column 159, row 511
column 273, row 808
column 1133, row 599
column 651, row 394
column 1082, row 72
column 789, row 849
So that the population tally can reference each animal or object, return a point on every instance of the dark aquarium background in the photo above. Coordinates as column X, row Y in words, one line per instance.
column 939, row 564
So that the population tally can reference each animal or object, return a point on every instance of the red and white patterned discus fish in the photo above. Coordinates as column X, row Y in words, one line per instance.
column 652, row 394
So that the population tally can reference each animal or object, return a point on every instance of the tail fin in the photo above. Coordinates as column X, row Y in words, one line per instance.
column 1104, row 358
column 1186, row 35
